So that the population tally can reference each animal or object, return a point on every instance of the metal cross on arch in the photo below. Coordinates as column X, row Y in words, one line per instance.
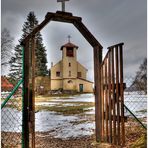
column 63, row 4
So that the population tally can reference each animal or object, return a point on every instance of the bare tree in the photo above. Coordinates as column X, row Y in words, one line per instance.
column 6, row 47
column 140, row 81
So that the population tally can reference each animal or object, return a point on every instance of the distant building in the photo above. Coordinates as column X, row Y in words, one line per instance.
column 68, row 74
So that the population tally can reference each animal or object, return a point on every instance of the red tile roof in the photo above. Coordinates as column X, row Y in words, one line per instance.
column 5, row 84
column 69, row 45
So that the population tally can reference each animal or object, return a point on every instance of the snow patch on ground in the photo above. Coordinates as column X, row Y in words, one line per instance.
column 60, row 126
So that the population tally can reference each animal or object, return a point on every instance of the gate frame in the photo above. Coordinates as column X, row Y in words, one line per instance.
column 29, row 90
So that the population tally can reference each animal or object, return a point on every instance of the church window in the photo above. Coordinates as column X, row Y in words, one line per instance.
column 58, row 74
column 69, row 73
column 69, row 64
column 79, row 74
column 69, row 52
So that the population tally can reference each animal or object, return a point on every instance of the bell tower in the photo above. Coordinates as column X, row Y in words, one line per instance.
column 69, row 60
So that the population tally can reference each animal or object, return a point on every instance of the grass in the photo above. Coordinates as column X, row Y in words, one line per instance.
column 140, row 142
column 63, row 95
column 67, row 110
column 78, row 122
column 73, row 108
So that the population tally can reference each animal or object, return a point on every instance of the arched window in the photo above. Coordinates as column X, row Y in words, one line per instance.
column 69, row 52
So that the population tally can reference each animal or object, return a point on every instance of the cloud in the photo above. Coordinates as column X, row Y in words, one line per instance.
column 111, row 21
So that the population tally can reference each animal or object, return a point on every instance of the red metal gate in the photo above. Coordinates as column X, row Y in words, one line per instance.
column 112, row 97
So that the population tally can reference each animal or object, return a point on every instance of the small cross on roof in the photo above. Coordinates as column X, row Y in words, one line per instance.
column 69, row 38
column 63, row 4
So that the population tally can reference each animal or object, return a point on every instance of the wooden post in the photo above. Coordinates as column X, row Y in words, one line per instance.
column 33, row 91
column 26, row 96
column 121, row 93
column 109, row 88
column 97, row 78
column 106, row 100
column 114, row 103
column 102, row 94
column 117, row 95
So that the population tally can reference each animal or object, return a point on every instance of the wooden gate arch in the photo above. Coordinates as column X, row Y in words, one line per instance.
column 28, row 45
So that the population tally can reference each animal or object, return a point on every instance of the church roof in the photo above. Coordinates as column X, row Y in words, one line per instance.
column 69, row 44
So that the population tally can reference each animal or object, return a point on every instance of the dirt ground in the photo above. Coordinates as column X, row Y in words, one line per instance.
column 135, row 138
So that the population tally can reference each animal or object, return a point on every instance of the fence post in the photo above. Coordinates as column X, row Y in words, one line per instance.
column 25, row 100
column 32, row 92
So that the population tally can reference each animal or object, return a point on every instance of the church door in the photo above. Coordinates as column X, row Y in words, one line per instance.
column 81, row 87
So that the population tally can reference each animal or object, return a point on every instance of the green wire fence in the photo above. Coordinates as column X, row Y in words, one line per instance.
column 12, row 115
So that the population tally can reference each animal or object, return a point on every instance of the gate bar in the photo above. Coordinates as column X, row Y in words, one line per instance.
column 117, row 95
column 121, row 94
column 110, row 109
column 106, row 100
column 113, row 88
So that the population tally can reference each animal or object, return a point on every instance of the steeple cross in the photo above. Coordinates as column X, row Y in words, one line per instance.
column 69, row 38
column 63, row 4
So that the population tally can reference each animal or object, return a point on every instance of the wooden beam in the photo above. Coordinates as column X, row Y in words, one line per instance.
column 117, row 94
column 35, row 30
column 113, row 96
column 26, row 95
column 102, row 94
column 32, row 107
column 86, row 33
column 68, row 18
column 62, row 17
column 122, row 94
column 106, row 101
column 98, row 106
column 109, row 89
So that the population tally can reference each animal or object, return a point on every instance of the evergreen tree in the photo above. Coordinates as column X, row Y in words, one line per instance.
column 40, row 51
column 16, row 65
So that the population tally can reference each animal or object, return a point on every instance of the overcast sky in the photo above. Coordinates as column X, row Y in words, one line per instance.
column 111, row 22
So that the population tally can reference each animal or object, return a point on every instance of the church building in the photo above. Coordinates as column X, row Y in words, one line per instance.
column 68, row 74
